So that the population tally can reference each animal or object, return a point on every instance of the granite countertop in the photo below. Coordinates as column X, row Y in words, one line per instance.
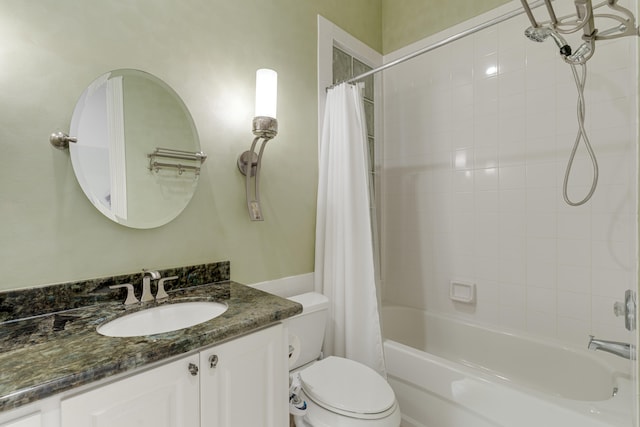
column 48, row 354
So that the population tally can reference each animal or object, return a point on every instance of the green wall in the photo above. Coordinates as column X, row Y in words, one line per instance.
column 407, row 21
column 208, row 51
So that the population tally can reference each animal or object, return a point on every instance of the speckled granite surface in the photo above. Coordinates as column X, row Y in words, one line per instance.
column 46, row 299
column 50, row 353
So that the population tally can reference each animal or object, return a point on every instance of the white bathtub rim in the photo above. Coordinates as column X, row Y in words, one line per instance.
column 542, row 341
column 622, row 382
column 618, row 408
column 610, row 412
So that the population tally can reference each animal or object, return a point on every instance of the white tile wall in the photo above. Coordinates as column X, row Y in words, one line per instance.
column 476, row 139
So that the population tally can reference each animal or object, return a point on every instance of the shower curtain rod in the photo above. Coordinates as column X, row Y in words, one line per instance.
column 441, row 43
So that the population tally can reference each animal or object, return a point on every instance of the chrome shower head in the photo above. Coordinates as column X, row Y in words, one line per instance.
column 537, row 34
column 540, row 34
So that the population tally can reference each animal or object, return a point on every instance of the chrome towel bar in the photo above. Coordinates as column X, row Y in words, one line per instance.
column 169, row 153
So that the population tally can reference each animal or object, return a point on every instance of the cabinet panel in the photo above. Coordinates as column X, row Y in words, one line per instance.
column 34, row 420
column 166, row 396
column 245, row 382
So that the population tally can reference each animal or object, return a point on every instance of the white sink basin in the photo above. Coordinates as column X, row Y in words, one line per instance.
column 163, row 318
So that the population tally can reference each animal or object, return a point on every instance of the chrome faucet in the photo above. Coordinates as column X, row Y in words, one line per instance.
column 147, row 275
column 628, row 351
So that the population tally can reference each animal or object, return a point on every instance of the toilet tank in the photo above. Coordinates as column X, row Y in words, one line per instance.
column 306, row 330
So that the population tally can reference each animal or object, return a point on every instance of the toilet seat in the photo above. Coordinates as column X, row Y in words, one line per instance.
column 348, row 388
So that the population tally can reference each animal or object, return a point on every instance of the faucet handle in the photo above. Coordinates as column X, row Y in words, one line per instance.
column 627, row 309
column 131, row 296
column 630, row 309
column 152, row 273
column 161, row 294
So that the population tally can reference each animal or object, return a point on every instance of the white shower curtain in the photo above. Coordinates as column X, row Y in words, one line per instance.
column 344, row 263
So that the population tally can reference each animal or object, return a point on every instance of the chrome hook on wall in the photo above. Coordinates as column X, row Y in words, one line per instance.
column 61, row 140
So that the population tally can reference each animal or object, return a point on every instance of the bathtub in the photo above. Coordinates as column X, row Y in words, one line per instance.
column 450, row 373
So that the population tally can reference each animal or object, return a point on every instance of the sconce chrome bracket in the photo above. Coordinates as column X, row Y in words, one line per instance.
column 243, row 162
column 61, row 140
column 265, row 129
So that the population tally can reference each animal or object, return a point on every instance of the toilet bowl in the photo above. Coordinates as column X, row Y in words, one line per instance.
column 341, row 392
column 338, row 392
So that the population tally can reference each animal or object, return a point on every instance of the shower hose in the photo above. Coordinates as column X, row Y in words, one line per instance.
column 582, row 134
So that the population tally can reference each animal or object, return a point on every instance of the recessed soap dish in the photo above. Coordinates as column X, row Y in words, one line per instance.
column 462, row 292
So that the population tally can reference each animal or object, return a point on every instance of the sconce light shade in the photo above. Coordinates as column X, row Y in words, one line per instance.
column 266, row 93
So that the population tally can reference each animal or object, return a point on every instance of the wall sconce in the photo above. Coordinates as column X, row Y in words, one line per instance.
column 265, row 128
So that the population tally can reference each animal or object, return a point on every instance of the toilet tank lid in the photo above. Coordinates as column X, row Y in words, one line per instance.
column 311, row 301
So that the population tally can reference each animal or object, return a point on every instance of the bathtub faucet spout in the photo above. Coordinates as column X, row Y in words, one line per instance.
column 628, row 351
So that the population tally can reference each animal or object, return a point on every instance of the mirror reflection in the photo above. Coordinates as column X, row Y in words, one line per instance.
column 137, row 155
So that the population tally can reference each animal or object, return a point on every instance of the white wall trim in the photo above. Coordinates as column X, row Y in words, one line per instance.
column 329, row 35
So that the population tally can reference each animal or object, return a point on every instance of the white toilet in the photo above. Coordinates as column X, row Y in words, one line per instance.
column 339, row 392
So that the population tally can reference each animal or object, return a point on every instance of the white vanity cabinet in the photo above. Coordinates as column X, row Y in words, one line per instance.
column 167, row 396
column 240, row 383
column 33, row 420
column 245, row 382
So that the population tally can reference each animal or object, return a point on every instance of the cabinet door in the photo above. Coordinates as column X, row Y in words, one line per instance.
column 166, row 396
column 34, row 420
column 245, row 382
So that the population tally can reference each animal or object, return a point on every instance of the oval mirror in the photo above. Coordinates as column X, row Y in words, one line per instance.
column 137, row 155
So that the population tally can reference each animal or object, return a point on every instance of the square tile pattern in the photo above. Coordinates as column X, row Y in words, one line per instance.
column 476, row 140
